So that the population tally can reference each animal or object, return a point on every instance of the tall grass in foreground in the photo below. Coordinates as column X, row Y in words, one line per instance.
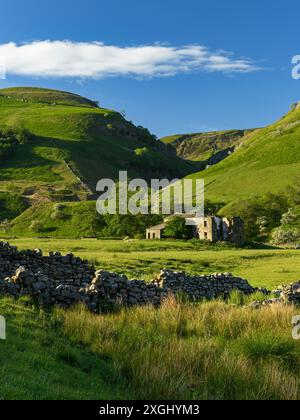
column 204, row 351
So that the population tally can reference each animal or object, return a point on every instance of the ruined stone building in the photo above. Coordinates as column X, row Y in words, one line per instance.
column 210, row 228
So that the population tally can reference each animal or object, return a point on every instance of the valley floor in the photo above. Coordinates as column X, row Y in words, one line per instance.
column 144, row 259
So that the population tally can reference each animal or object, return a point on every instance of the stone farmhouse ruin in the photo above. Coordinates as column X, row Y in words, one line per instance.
column 210, row 228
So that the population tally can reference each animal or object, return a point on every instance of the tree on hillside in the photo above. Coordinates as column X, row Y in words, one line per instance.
column 176, row 228
column 289, row 218
column 293, row 192
column 263, row 223
column 261, row 215
column 289, row 230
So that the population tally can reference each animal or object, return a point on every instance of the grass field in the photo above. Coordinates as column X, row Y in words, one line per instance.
column 39, row 362
column 211, row 351
column 144, row 259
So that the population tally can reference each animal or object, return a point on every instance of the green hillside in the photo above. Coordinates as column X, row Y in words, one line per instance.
column 268, row 160
column 74, row 143
column 72, row 220
column 207, row 148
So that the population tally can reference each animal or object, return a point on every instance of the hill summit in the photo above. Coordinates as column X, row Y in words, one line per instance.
column 47, row 96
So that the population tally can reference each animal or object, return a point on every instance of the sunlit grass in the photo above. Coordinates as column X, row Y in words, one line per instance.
column 203, row 351
column 38, row 362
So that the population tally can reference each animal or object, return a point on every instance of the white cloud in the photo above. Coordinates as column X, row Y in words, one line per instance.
column 97, row 60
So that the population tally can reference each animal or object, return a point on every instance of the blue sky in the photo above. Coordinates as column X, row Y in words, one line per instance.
column 176, row 86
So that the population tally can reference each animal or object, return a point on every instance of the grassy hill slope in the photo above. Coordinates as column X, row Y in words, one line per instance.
column 69, row 220
column 268, row 160
column 74, row 141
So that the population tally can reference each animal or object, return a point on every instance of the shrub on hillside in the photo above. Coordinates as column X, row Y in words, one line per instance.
column 261, row 215
column 110, row 127
column 121, row 226
column 11, row 205
column 58, row 212
column 10, row 139
column 176, row 228
column 59, row 207
column 58, row 215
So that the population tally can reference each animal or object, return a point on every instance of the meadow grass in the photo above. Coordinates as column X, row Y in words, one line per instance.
column 144, row 259
column 39, row 362
column 195, row 351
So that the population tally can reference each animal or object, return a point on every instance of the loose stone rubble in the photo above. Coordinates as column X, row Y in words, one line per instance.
column 67, row 280
column 291, row 293
column 288, row 295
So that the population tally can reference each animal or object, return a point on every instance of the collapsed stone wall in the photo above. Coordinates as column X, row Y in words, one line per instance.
column 67, row 280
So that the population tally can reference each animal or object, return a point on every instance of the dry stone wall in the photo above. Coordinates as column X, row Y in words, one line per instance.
column 67, row 280
column 203, row 287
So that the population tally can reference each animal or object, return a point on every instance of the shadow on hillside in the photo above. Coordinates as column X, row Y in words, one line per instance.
column 104, row 156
